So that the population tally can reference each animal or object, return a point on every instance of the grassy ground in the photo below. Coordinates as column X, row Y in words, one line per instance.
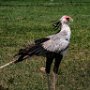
column 22, row 21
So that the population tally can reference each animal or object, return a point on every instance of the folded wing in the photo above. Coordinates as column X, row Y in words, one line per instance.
column 56, row 46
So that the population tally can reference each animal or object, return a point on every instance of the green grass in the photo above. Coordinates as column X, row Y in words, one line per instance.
column 22, row 21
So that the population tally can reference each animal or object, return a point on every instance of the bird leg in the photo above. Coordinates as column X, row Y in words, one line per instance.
column 54, row 81
column 58, row 59
column 47, row 69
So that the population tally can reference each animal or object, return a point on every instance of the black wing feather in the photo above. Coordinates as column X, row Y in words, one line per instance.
column 39, row 41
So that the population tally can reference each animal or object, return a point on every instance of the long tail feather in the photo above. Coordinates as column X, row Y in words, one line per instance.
column 24, row 54
column 7, row 64
column 27, row 52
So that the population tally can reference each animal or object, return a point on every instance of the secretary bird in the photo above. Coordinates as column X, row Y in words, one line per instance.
column 52, row 47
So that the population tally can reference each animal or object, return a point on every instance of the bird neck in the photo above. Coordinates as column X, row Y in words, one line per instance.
column 65, row 32
column 65, row 26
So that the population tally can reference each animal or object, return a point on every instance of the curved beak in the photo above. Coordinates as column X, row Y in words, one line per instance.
column 71, row 20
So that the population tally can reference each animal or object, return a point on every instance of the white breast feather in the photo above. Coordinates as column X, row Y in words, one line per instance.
column 55, row 46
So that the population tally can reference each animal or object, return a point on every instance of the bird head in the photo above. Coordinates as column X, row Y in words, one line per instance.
column 66, row 19
column 63, row 20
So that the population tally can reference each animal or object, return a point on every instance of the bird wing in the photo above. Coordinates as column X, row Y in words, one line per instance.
column 56, row 45
column 41, row 40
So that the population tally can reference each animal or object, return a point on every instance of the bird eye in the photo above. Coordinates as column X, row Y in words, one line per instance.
column 67, row 18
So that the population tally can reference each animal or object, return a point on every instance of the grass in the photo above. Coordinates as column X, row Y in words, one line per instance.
column 22, row 21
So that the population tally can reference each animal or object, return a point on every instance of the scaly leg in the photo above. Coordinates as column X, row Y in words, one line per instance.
column 54, row 81
column 58, row 59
